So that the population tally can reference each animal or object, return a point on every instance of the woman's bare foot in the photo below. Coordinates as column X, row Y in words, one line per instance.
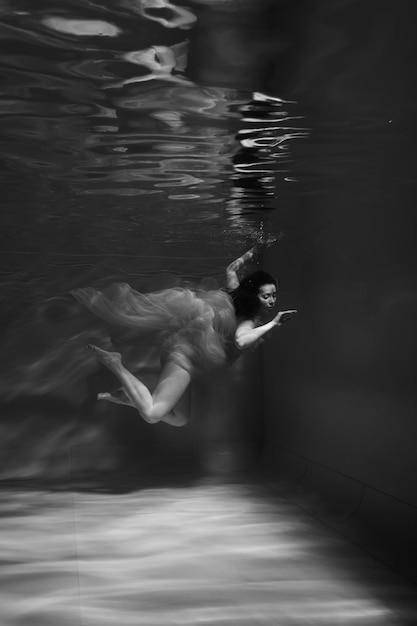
column 109, row 359
column 175, row 419
column 104, row 396
column 116, row 398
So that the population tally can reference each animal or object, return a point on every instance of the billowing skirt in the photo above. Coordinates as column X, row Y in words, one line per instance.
column 195, row 324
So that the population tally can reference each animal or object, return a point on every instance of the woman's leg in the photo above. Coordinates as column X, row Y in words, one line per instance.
column 173, row 381
column 174, row 418
column 117, row 397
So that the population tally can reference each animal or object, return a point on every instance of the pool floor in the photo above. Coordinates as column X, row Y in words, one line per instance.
column 212, row 552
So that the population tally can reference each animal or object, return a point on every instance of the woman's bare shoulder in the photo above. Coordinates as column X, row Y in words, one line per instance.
column 245, row 324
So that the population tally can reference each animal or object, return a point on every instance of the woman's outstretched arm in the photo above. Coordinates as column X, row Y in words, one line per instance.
column 247, row 335
column 232, row 279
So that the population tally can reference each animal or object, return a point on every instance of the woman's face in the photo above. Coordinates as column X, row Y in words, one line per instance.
column 267, row 296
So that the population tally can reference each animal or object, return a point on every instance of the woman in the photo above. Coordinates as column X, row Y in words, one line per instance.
column 201, row 330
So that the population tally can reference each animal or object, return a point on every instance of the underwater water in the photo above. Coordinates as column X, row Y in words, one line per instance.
column 123, row 162
column 130, row 152
column 152, row 142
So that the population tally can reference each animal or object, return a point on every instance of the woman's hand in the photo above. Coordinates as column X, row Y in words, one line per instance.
column 261, row 245
column 248, row 335
column 248, row 256
column 284, row 316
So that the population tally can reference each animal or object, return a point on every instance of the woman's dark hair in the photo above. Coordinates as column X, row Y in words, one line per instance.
column 245, row 297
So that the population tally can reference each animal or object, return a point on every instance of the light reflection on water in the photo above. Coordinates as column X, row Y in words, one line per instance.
column 102, row 106
column 212, row 554
column 119, row 164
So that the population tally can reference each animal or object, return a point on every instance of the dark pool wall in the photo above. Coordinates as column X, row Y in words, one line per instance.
column 340, row 398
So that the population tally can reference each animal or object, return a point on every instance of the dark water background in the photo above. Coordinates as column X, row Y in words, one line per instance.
column 138, row 143
column 150, row 141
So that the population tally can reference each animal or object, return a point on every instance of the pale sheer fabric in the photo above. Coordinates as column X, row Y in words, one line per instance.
column 196, row 324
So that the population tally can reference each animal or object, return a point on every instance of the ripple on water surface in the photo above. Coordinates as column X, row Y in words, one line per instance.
column 99, row 104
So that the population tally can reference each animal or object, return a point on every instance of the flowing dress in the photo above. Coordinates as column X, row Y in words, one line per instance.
column 196, row 325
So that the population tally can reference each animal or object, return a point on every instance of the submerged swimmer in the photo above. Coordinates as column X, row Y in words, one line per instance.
column 201, row 330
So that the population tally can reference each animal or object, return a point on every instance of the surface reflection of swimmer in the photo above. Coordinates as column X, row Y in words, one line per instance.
column 202, row 330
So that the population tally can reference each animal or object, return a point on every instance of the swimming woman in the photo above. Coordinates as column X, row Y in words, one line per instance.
column 201, row 330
